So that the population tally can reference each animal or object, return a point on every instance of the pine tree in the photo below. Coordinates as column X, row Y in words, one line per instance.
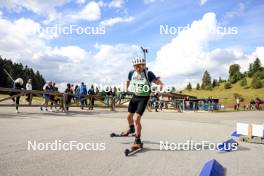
column 220, row 79
column 198, row 86
column 189, row 86
column 234, row 73
column 215, row 83
column 256, row 65
column 206, row 81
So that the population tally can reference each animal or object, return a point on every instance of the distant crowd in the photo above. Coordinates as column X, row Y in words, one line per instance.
column 77, row 94
column 74, row 94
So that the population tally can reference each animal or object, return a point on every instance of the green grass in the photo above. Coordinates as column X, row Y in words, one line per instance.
column 226, row 96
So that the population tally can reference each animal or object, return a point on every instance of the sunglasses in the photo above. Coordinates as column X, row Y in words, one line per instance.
column 138, row 66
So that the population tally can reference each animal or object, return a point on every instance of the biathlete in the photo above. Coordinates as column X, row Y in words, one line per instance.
column 140, row 79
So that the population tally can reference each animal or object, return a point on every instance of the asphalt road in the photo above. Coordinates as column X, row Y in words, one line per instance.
column 93, row 128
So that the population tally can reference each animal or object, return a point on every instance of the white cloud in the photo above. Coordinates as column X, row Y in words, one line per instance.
column 259, row 53
column 74, row 54
column 90, row 12
column 113, row 21
column 182, row 60
column 202, row 2
column 187, row 55
column 107, row 64
column 45, row 8
column 36, row 6
column 116, row 4
column 19, row 39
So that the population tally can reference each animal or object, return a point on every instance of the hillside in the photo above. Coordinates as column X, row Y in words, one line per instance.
column 226, row 96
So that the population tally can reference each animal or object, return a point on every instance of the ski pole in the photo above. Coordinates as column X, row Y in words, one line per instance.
column 8, row 75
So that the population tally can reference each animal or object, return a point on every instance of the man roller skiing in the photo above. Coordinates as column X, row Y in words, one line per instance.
column 140, row 79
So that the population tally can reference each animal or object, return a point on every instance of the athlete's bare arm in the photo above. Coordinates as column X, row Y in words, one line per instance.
column 159, row 83
column 127, row 84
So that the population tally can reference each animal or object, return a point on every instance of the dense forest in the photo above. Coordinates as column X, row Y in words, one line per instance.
column 18, row 70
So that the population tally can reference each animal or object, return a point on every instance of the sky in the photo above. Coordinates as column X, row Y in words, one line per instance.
column 73, row 41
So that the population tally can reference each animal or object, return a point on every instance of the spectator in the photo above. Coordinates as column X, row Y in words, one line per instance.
column 56, row 97
column 47, row 88
column 91, row 92
column 29, row 95
column 118, row 96
column 156, row 102
column 108, row 94
column 97, row 91
column 53, row 98
column 161, row 104
column 237, row 103
column 83, row 93
column 18, row 85
column 77, row 93
column 68, row 90
column 187, row 103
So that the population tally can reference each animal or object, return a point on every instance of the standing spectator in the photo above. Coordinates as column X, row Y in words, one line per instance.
column 97, row 91
column 118, row 96
column 68, row 90
column 258, row 102
column 187, row 103
column 83, row 93
column 53, row 98
column 161, row 103
column 165, row 101
column 237, row 103
column 77, row 93
column 114, row 91
column 29, row 95
column 108, row 94
column 18, row 85
column 91, row 92
column 47, row 88
column 56, row 97
column 156, row 102
column 73, row 90
column 151, row 101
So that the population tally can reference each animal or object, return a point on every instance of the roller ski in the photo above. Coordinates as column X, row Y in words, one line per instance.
column 136, row 147
column 128, row 133
column 121, row 135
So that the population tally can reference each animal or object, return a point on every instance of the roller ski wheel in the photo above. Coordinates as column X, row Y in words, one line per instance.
column 134, row 149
